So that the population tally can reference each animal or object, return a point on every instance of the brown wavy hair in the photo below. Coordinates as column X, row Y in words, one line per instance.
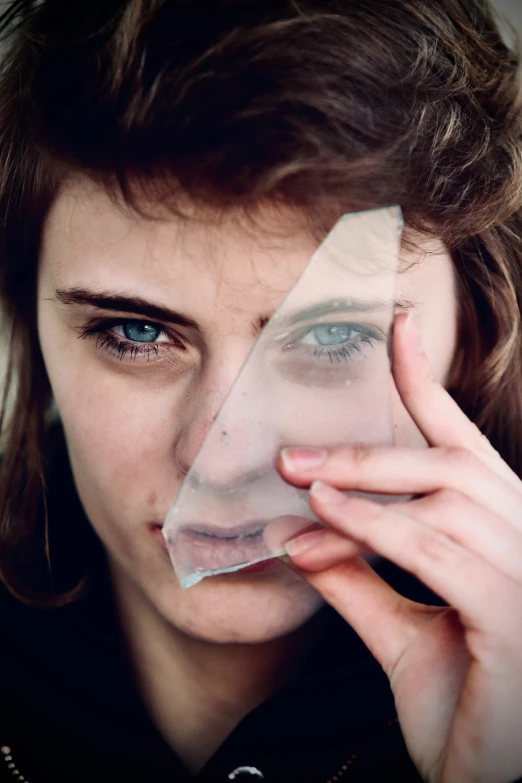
column 324, row 106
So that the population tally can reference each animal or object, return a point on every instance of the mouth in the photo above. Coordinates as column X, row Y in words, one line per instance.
column 251, row 529
column 212, row 548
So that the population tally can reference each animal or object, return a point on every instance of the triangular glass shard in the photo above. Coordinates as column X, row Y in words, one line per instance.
column 318, row 375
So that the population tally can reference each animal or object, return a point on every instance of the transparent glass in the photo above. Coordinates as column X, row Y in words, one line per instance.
column 318, row 375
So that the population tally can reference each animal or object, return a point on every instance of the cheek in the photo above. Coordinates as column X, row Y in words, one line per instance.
column 120, row 434
column 110, row 421
column 120, row 445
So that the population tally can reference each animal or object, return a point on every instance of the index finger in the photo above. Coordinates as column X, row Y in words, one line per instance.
column 431, row 407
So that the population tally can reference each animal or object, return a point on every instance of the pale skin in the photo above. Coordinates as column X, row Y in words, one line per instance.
column 205, row 657
column 456, row 673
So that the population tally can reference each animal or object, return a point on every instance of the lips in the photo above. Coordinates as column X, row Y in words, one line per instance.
column 209, row 548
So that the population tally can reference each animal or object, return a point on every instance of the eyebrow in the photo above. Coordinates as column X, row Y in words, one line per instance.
column 121, row 303
column 342, row 305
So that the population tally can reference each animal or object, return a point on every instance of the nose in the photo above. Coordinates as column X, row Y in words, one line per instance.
column 228, row 439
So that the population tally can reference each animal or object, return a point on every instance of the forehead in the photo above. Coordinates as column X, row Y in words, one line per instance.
column 91, row 240
column 89, row 234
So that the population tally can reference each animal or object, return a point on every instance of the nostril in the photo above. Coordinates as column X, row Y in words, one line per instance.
column 224, row 483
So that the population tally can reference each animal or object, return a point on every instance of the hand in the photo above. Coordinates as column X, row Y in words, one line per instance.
column 456, row 672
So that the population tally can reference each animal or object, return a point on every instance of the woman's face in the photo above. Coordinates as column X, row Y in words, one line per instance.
column 135, row 416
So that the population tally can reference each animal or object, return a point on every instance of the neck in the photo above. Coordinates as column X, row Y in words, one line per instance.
column 196, row 692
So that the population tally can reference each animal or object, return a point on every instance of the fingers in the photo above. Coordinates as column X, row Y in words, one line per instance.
column 433, row 410
column 328, row 548
column 385, row 621
column 284, row 528
column 472, row 526
column 397, row 471
column 446, row 512
column 472, row 586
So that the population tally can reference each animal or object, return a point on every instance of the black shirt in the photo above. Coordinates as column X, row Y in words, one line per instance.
column 70, row 711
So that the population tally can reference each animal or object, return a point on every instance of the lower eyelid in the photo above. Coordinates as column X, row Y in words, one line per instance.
column 344, row 350
column 108, row 342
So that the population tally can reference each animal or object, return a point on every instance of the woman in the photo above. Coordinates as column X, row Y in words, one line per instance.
column 167, row 170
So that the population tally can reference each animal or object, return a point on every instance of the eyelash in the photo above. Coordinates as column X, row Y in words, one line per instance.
column 125, row 349
column 343, row 352
column 346, row 352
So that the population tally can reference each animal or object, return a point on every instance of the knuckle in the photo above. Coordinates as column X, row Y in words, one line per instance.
column 361, row 455
column 447, row 500
column 458, row 457
column 333, row 587
column 369, row 513
column 436, row 502
column 435, row 547
column 332, row 583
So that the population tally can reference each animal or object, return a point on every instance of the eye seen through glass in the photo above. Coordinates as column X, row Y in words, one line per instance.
column 319, row 374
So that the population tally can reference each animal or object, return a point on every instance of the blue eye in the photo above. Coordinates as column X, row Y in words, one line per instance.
column 133, row 339
column 328, row 345
column 332, row 334
column 140, row 331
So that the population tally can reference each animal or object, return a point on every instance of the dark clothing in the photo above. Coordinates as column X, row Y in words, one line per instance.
column 70, row 712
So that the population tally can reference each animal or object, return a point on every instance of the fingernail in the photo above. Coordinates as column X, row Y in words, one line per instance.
column 412, row 330
column 326, row 494
column 303, row 459
column 303, row 543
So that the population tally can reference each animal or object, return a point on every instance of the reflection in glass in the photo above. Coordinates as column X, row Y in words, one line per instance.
column 318, row 375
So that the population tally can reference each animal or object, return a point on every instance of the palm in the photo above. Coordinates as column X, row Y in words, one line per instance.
column 426, row 681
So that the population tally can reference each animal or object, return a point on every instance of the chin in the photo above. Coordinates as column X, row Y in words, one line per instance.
column 239, row 608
